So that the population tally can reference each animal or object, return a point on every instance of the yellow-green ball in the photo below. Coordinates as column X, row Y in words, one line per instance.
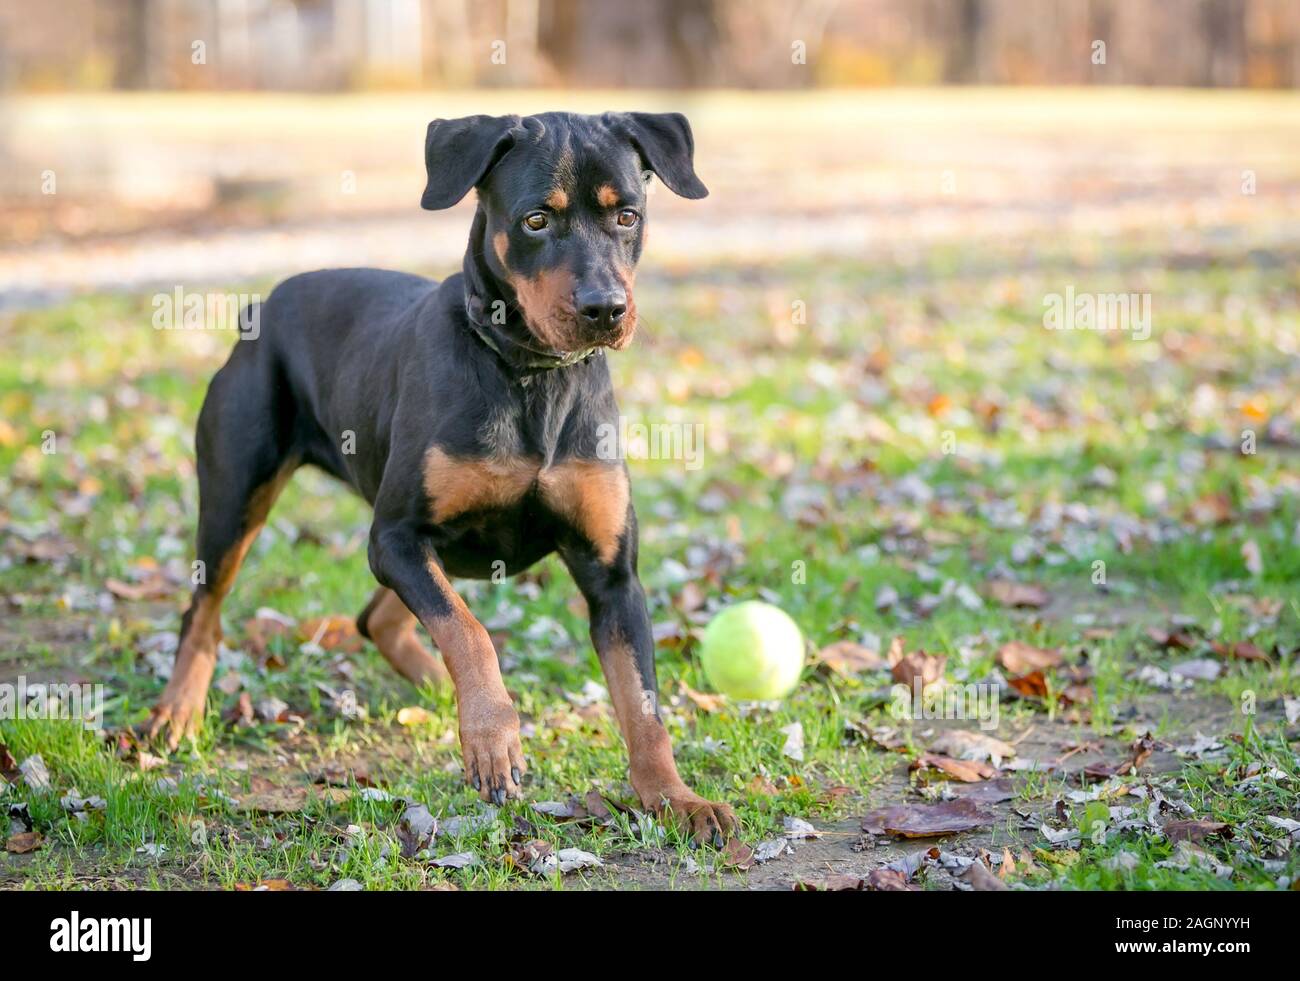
column 752, row 651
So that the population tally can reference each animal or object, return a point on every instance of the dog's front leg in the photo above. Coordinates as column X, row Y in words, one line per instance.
column 620, row 631
column 407, row 563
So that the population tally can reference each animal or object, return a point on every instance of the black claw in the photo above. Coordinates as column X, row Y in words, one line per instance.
column 717, row 839
column 498, row 796
column 478, row 784
column 514, row 772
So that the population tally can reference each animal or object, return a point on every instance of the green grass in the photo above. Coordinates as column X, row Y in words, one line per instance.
column 826, row 448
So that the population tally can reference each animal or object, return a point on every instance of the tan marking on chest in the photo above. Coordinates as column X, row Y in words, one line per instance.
column 459, row 485
column 592, row 496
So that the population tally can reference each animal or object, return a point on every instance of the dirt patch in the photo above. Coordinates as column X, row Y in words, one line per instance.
column 843, row 848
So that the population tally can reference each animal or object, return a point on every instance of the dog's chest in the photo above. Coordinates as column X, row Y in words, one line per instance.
column 501, row 500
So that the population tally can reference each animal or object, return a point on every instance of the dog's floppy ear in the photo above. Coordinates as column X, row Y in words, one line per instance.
column 458, row 153
column 666, row 146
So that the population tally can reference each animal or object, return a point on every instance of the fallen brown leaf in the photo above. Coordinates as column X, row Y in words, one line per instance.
column 906, row 668
column 967, row 771
column 737, row 855
column 258, row 634
column 848, row 658
column 1032, row 685
column 337, row 774
column 1139, row 751
column 527, row 854
column 1242, row 650
column 965, row 744
column 1196, row 831
column 266, row 885
column 241, row 713
column 8, row 765
column 44, row 550
column 413, row 715
column 1008, row 866
column 332, row 633
column 1212, row 509
column 703, row 701
column 1010, row 593
column 691, row 598
column 1020, row 658
column 763, row 786
column 1078, row 695
column 838, row 792
column 1176, row 639
column 889, row 880
column 23, row 842
column 288, row 800
column 842, row 882
column 979, row 878
column 927, row 820
column 154, row 587
column 596, row 806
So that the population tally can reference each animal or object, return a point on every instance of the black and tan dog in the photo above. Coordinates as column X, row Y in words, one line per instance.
column 468, row 413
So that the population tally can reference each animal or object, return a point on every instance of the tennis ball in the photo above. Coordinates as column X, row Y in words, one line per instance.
column 752, row 651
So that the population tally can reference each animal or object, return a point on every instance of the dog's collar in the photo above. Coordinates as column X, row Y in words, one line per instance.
column 521, row 355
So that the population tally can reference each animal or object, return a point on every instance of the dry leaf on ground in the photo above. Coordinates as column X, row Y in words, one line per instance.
column 331, row 633
column 889, row 880
column 1017, row 594
column 848, row 658
column 963, row 744
column 1196, row 831
column 23, row 842
column 1021, row 658
column 906, row 668
column 927, row 820
column 967, row 771
column 980, row 879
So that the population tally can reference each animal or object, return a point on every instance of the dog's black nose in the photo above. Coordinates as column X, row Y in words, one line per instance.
column 601, row 309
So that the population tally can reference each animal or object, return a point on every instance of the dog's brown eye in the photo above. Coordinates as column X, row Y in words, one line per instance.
column 535, row 222
column 627, row 217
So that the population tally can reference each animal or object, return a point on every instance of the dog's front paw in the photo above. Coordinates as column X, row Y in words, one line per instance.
column 179, row 710
column 706, row 821
column 489, row 741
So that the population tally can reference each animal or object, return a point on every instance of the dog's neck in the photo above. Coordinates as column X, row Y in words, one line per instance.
column 494, row 315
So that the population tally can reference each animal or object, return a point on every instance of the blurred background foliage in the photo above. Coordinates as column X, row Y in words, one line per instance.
column 334, row 45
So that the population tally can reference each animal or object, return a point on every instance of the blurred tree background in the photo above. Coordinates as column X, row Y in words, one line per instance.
column 333, row 45
column 156, row 140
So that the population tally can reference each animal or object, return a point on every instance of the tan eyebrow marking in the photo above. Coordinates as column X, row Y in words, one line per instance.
column 558, row 199
column 607, row 196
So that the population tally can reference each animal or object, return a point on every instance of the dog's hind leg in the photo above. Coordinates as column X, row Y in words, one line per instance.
column 245, row 458
column 391, row 626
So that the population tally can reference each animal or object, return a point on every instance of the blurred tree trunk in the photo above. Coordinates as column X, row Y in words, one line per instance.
column 962, row 64
column 691, row 29
column 675, row 42
column 1101, row 24
column 133, row 46
column 557, row 35
column 1224, row 25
